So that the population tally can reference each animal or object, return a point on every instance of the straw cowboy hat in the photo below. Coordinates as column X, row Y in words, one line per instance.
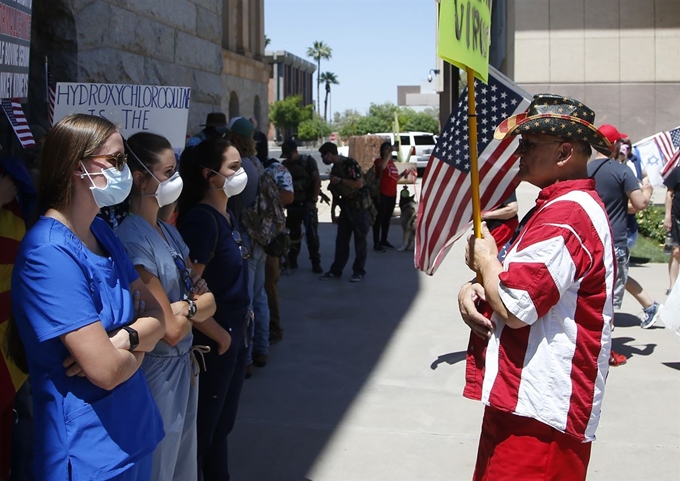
column 558, row 116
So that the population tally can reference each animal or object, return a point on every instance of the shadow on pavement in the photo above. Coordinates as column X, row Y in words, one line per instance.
column 450, row 359
column 335, row 333
column 620, row 345
column 623, row 319
column 672, row 365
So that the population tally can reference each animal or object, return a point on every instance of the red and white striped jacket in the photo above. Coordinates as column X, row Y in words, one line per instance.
column 559, row 279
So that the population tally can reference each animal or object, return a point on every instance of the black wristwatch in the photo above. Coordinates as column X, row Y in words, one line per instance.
column 134, row 337
column 192, row 308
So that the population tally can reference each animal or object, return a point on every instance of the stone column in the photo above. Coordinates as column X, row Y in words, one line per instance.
column 243, row 28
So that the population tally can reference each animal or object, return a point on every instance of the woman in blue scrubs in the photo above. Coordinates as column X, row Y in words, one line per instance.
column 85, row 317
column 162, row 261
column 212, row 174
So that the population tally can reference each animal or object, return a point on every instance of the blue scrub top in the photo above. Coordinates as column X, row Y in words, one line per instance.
column 58, row 286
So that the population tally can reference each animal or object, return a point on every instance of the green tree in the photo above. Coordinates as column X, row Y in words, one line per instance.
column 329, row 78
column 432, row 112
column 364, row 125
column 385, row 113
column 318, row 51
column 313, row 129
column 421, row 122
column 267, row 41
column 341, row 119
column 287, row 114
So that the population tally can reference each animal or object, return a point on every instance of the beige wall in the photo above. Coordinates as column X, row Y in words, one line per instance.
column 620, row 57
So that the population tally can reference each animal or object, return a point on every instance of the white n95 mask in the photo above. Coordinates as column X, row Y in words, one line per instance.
column 235, row 183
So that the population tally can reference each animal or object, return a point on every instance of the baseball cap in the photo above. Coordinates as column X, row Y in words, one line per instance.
column 288, row 147
column 241, row 126
column 612, row 133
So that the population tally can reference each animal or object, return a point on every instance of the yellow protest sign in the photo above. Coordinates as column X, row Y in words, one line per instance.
column 465, row 34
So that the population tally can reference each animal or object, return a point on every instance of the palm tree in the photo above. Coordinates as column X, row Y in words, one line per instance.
column 319, row 51
column 329, row 78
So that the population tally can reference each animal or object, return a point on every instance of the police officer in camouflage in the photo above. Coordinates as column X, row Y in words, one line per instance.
column 307, row 185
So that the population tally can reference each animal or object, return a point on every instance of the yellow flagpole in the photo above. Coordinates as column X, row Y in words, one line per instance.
column 474, row 170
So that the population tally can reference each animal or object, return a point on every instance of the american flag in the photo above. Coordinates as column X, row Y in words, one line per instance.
column 50, row 94
column 670, row 165
column 445, row 208
column 666, row 145
column 15, row 115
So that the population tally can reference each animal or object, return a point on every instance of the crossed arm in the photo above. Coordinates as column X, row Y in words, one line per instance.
column 104, row 358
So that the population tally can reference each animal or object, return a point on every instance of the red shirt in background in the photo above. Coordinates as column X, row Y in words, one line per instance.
column 389, row 178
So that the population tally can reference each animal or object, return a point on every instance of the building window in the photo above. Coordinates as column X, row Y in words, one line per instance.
column 257, row 111
column 233, row 105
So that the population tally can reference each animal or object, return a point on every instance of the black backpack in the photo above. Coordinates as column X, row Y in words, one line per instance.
column 303, row 181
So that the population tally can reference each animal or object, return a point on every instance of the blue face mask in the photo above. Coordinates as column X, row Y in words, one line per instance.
column 117, row 188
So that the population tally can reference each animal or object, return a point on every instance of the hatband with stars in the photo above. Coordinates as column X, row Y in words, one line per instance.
column 559, row 116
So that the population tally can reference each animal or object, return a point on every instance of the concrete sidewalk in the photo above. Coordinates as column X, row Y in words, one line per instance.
column 367, row 383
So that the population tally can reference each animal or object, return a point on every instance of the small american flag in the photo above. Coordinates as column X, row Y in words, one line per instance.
column 15, row 115
column 50, row 94
column 672, row 143
column 675, row 137
column 445, row 208
column 664, row 142
column 670, row 165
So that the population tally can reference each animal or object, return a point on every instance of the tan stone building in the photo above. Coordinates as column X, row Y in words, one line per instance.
column 620, row 57
column 216, row 47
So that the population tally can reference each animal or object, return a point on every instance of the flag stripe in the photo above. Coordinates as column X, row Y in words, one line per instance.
column 15, row 115
column 441, row 219
column 51, row 95
column 670, row 165
column 665, row 144
column 445, row 209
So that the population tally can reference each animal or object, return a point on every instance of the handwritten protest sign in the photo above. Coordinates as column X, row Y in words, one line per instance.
column 465, row 34
column 133, row 108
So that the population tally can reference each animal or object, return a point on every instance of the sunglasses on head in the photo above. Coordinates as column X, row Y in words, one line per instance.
column 117, row 160
column 236, row 235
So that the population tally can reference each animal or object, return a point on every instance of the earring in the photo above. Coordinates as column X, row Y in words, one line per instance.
column 82, row 176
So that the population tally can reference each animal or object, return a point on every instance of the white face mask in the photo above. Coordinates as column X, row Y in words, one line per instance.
column 235, row 183
column 117, row 188
column 168, row 191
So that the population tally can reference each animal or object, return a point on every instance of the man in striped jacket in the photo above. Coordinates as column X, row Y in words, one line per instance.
column 549, row 336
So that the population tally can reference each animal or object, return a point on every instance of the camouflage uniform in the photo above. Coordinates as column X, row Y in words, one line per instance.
column 355, row 217
column 303, row 210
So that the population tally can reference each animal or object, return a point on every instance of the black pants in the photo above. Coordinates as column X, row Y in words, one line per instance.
column 385, row 208
column 296, row 217
column 351, row 222
column 219, row 391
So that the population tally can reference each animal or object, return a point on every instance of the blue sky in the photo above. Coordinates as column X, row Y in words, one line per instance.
column 377, row 44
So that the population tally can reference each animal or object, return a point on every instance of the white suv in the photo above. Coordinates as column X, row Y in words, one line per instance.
column 416, row 146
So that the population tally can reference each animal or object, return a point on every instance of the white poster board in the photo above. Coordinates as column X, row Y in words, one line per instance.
column 133, row 108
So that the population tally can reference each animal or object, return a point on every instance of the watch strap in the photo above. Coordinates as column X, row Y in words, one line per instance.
column 192, row 307
column 134, row 337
